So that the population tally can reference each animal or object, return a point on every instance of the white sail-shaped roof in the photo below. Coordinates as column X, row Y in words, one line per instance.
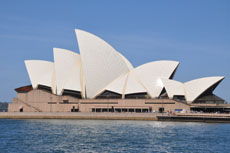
column 118, row 85
column 196, row 87
column 173, row 87
column 151, row 73
column 68, row 70
column 146, row 78
column 101, row 62
column 41, row 73
column 133, row 84
column 100, row 67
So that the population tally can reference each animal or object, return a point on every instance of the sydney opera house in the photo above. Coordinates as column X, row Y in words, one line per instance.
column 100, row 79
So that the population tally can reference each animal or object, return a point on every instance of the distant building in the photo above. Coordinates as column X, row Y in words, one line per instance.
column 3, row 107
column 101, row 79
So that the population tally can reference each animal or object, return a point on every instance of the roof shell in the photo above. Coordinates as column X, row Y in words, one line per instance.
column 173, row 87
column 118, row 84
column 145, row 78
column 68, row 70
column 100, row 67
column 133, row 84
column 196, row 87
column 41, row 73
column 101, row 62
column 150, row 75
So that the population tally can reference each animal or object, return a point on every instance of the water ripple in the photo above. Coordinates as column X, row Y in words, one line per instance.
column 67, row 136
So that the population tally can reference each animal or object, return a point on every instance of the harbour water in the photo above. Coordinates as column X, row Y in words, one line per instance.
column 29, row 136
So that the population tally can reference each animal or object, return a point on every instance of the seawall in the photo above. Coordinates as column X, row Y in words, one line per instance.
column 189, row 117
column 78, row 115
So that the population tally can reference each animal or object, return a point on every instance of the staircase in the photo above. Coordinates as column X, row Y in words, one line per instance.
column 28, row 105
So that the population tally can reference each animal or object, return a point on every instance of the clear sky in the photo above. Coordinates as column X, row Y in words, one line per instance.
column 196, row 33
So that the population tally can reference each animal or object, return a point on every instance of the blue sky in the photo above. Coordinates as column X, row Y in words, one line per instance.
column 196, row 33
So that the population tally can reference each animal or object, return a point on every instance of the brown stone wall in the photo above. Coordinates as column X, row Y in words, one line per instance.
column 42, row 101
